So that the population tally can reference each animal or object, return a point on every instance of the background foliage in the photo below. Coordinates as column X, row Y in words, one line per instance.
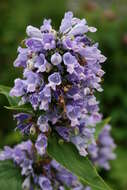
column 110, row 19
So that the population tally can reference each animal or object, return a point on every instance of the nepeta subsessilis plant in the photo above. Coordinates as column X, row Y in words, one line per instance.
column 61, row 73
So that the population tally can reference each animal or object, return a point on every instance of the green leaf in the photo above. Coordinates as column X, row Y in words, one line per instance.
column 13, row 101
column 23, row 108
column 66, row 188
column 13, row 138
column 10, row 177
column 100, row 126
column 118, row 173
column 5, row 90
column 68, row 156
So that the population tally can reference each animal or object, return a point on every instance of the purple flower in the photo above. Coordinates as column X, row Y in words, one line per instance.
column 56, row 59
column 32, row 80
column 79, row 29
column 46, row 176
column 64, row 132
column 34, row 44
column 20, row 117
column 6, row 153
column 45, row 98
column 18, row 89
column 70, row 61
column 22, row 155
column 42, row 122
column 34, row 100
column 41, row 144
column 23, row 122
column 44, row 183
column 61, row 73
column 103, row 151
column 46, row 27
column 54, row 80
column 53, row 116
column 87, row 188
column 33, row 32
column 22, row 57
column 48, row 40
column 66, row 23
column 73, row 113
column 81, row 144
column 40, row 63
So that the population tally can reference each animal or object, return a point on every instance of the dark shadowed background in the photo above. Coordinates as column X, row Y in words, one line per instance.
column 110, row 17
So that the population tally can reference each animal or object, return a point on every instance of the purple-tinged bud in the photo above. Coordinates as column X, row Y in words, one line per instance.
column 56, row 59
column 79, row 29
column 33, row 32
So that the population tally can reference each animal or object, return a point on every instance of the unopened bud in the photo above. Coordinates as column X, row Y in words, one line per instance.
column 61, row 141
column 32, row 130
column 76, row 131
column 30, row 64
column 48, row 67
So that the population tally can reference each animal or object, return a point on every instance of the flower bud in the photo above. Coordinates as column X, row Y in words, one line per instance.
column 30, row 64
column 33, row 32
column 56, row 59
column 32, row 130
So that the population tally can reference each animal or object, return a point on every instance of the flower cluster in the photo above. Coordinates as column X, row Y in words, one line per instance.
column 102, row 152
column 41, row 173
column 61, row 73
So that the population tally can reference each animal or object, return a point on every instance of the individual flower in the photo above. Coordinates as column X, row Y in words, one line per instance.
column 54, row 80
column 32, row 81
column 41, row 144
column 70, row 61
column 40, row 63
column 42, row 122
column 45, row 98
column 19, row 88
column 24, row 122
column 45, row 183
column 56, row 59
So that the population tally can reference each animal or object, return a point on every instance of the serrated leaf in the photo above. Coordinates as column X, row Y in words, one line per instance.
column 10, row 177
column 68, row 156
column 5, row 90
column 23, row 108
column 100, row 126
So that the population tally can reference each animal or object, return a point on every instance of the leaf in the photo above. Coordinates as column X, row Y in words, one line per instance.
column 10, row 177
column 100, row 126
column 13, row 138
column 13, row 101
column 5, row 90
column 67, row 155
column 118, row 173
column 22, row 108
column 66, row 188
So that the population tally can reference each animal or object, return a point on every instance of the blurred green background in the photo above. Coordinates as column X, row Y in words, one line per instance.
column 110, row 17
